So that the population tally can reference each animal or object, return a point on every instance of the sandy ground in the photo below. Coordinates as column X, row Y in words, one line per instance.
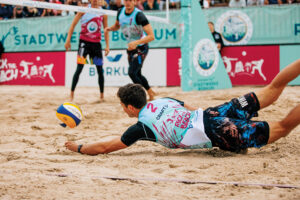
column 34, row 163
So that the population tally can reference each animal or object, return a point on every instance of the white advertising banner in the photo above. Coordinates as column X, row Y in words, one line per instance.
column 116, row 69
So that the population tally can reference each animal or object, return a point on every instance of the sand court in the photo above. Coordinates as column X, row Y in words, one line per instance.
column 34, row 164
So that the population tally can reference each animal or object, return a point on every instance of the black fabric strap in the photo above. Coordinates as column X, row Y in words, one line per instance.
column 79, row 148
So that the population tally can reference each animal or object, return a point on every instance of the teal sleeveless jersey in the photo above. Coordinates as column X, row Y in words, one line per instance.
column 172, row 124
column 129, row 27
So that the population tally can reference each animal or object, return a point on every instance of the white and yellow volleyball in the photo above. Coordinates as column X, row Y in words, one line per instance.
column 70, row 114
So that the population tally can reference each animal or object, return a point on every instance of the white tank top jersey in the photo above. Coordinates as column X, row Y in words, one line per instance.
column 130, row 29
column 174, row 126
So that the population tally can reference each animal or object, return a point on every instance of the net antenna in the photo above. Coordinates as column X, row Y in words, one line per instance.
column 54, row 6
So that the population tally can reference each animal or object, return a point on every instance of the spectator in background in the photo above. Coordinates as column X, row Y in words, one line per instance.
column 268, row 2
column 237, row 3
column 1, row 49
column 104, row 4
column 292, row 1
column 56, row 12
column 139, row 4
column 159, row 4
column 84, row 3
column 41, row 11
column 31, row 12
column 67, row 12
column 217, row 36
column 151, row 5
column 75, row 2
column 18, row 12
column 162, row 4
column 49, row 12
column 107, row 2
column 201, row 3
column 206, row 3
column 116, row 5
column 255, row 2
column 174, row 4
column 6, row 11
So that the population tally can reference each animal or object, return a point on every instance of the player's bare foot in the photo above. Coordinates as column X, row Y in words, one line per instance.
column 151, row 94
column 101, row 97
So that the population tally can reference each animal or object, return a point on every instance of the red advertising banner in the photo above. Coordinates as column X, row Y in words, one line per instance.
column 173, row 69
column 251, row 65
column 37, row 68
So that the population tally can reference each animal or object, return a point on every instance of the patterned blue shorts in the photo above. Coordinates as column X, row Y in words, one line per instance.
column 229, row 126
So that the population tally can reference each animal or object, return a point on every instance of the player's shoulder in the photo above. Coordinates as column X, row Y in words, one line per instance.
column 139, row 12
column 119, row 11
column 141, row 19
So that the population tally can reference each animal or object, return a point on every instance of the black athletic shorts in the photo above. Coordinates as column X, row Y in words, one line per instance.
column 140, row 53
column 229, row 126
column 93, row 49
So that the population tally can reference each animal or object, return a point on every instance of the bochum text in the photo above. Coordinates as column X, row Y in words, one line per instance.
column 58, row 38
column 297, row 29
column 158, row 34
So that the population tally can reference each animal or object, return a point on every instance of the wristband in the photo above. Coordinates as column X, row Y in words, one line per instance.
column 79, row 148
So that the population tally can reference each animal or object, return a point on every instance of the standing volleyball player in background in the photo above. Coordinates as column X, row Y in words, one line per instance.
column 90, row 38
column 138, row 32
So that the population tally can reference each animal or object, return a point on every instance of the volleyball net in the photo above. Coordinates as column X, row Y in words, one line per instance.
column 54, row 6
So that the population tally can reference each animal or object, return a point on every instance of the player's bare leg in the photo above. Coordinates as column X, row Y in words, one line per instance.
column 285, row 126
column 71, row 96
column 271, row 92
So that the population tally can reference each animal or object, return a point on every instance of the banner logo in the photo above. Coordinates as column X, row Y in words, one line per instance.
column 114, row 59
column 205, row 57
column 236, row 27
column 12, row 31
column 24, row 70
column 250, row 68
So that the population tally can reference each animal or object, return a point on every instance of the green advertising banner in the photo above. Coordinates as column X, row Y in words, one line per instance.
column 272, row 24
column 50, row 33
column 289, row 54
column 202, row 65
column 35, row 34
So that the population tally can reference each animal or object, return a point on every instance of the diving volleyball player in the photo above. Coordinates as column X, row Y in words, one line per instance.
column 89, row 44
column 138, row 33
column 174, row 124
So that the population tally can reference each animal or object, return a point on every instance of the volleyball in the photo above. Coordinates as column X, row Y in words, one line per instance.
column 70, row 114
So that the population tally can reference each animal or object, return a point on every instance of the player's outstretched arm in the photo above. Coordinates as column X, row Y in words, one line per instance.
column 102, row 147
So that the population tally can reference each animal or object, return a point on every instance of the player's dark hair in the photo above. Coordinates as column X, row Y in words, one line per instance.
column 132, row 94
column 211, row 23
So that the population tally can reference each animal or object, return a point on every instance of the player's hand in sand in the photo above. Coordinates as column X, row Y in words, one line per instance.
column 72, row 146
